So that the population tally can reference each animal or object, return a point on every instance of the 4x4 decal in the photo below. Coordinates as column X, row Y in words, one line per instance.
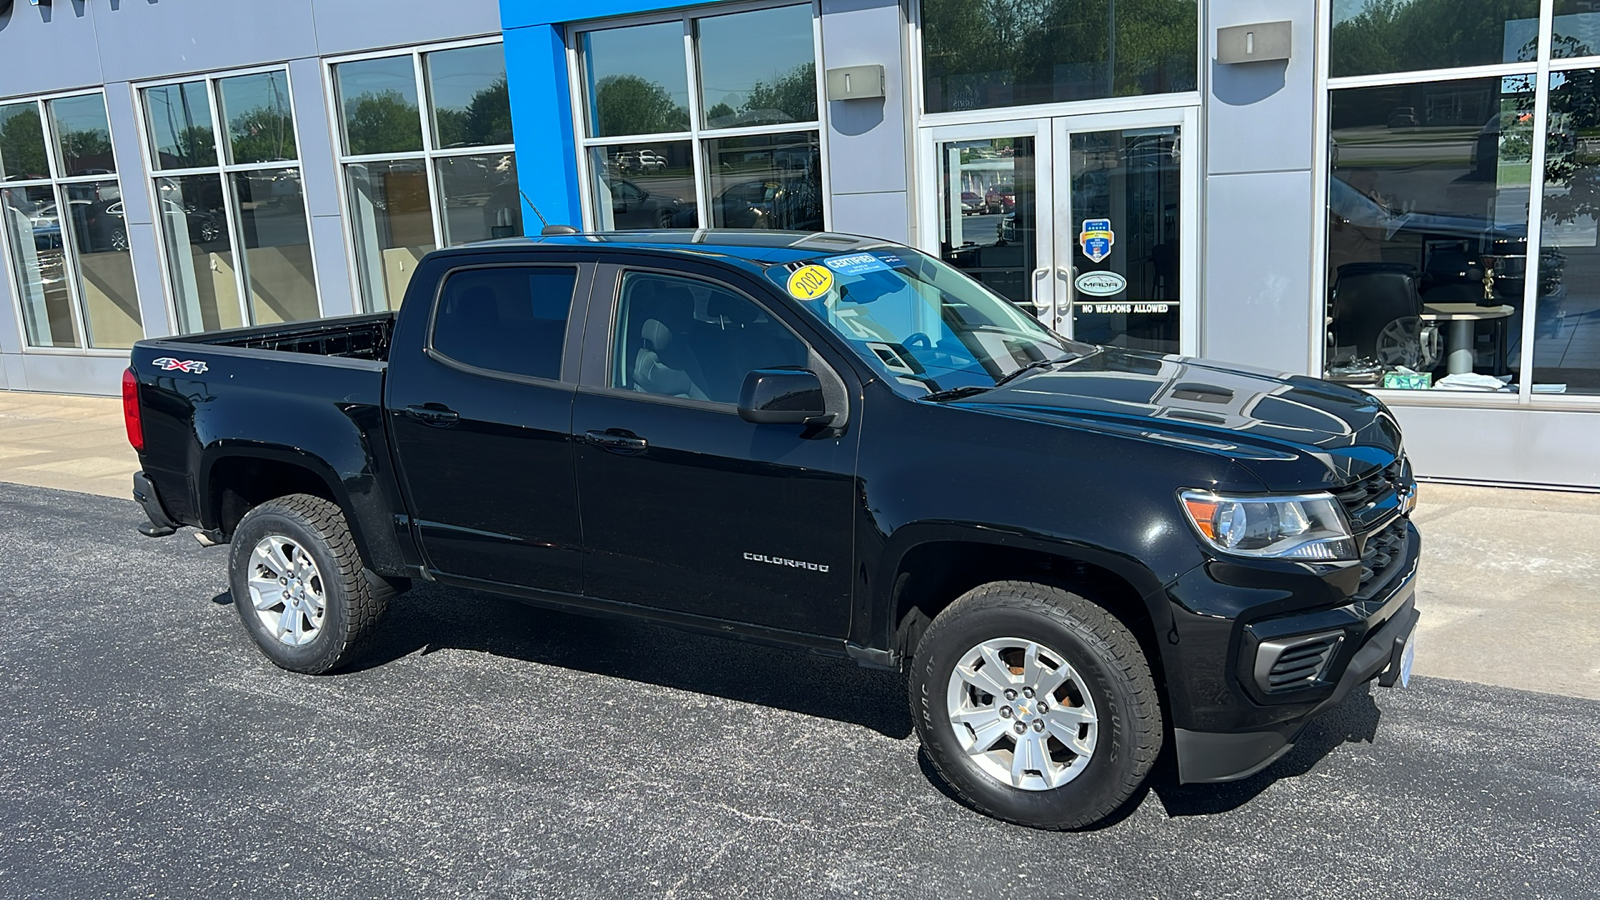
column 190, row 366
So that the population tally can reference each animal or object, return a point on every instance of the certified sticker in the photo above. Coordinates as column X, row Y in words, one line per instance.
column 1096, row 239
column 857, row 264
column 810, row 282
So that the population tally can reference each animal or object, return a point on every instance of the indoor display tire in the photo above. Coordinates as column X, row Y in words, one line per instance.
column 1035, row 705
column 299, row 584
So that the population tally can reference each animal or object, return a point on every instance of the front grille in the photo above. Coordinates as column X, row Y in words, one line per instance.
column 1357, row 497
column 1379, row 557
column 1291, row 663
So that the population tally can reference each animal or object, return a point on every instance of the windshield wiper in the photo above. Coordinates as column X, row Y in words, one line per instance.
column 956, row 393
column 1036, row 364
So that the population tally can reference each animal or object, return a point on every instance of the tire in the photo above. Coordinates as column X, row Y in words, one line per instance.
column 303, row 543
column 1103, row 699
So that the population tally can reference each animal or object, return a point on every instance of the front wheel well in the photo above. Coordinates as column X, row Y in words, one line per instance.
column 241, row 483
column 932, row 576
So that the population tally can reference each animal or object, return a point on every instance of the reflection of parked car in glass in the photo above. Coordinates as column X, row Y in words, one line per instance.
column 747, row 204
column 1000, row 198
column 107, row 229
column 640, row 161
column 634, row 207
column 1403, row 117
column 971, row 203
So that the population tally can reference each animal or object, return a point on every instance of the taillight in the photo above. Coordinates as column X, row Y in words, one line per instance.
column 130, row 409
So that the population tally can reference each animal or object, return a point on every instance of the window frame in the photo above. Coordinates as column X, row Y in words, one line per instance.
column 698, row 134
column 57, row 183
column 223, row 169
column 429, row 154
column 1539, row 70
column 601, row 365
column 571, row 342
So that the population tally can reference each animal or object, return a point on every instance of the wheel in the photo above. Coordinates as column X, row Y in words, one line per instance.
column 299, row 584
column 119, row 239
column 1400, row 344
column 1035, row 705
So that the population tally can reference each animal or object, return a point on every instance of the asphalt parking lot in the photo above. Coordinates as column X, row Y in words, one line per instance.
column 488, row 749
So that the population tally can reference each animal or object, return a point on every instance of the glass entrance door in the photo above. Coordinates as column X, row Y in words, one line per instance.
column 1088, row 222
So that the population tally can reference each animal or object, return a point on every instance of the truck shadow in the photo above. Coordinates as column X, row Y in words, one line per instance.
column 1355, row 720
column 430, row 618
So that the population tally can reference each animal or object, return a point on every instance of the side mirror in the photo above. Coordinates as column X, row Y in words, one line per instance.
column 783, row 397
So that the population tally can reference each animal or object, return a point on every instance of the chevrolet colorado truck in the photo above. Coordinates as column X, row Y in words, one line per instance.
column 1076, row 554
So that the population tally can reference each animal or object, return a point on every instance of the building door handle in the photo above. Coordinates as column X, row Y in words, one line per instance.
column 435, row 414
column 617, row 440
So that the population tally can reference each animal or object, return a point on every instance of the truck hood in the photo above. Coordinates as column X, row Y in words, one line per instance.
column 1291, row 431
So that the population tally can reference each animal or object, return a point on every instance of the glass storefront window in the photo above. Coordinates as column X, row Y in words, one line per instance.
column 39, row 265
column 451, row 182
column 276, row 245
column 635, row 80
column 258, row 117
column 235, row 228
column 985, row 55
column 200, row 258
column 479, row 198
column 378, row 105
column 392, row 219
column 1427, row 234
column 22, row 148
column 1383, row 36
column 752, row 70
column 83, row 136
column 989, row 213
column 643, row 186
column 1566, row 332
column 766, row 181
column 1576, row 29
column 470, row 97
column 65, row 225
column 757, row 68
column 180, row 126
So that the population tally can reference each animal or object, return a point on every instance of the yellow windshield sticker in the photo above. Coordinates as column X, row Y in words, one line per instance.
column 810, row 282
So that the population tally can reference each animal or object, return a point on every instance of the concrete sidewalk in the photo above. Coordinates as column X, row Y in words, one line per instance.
column 1509, row 588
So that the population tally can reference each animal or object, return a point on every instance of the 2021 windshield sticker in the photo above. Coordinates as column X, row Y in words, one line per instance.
column 188, row 366
column 810, row 282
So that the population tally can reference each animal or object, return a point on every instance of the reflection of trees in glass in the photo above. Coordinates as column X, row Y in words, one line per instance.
column 1408, row 35
column 22, row 145
column 486, row 120
column 1572, row 145
column 381, row 122
column 790, row 97
column 1002, row 52
column 79, row 147
column 628, row 104
column 263, row 134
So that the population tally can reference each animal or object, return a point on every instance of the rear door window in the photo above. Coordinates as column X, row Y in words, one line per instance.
column 510, row 319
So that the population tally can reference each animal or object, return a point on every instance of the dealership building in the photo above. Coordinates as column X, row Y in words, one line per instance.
column 1400, row 196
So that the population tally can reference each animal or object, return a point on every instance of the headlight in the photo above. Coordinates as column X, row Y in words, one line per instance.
column 1309, row 527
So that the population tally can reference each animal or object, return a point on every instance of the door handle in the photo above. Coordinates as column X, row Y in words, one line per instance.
column 617, row 441
column 435, row 414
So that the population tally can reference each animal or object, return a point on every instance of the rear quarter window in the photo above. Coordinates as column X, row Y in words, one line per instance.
column 509, row 319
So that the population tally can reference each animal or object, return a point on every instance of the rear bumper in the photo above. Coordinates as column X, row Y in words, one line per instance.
column 144, row 493
column 1212, row 756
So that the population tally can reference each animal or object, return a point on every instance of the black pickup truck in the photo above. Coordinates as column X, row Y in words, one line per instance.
column 1076, row 554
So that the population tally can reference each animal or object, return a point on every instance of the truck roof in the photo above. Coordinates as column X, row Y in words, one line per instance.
column 752, row 249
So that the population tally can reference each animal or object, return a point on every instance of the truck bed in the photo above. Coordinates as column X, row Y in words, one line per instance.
column 352, row 337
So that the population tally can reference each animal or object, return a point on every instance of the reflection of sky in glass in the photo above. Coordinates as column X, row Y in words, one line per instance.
column 376, row 76
column 652, row 52
column 257, row 106
column 175, row 109
column 457, row 76
column 738, row 50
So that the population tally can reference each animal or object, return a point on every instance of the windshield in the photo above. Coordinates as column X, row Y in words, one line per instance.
column 927, row 328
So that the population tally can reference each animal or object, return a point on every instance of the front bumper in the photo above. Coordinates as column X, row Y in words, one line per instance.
column 1245, row 723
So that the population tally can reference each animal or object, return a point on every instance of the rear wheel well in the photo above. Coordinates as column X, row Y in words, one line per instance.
column 932, row 576
column 240, row 483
